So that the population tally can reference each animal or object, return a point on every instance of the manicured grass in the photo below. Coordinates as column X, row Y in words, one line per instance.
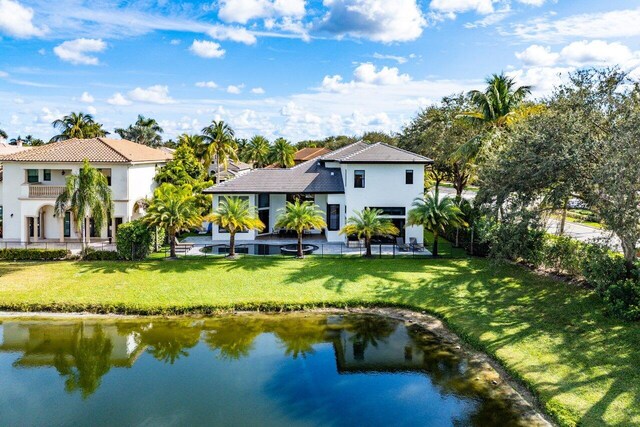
column 553, row 336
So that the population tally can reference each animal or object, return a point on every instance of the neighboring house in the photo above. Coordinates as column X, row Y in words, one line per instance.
column 233, row 170
column 309, row 153
column 340, row 182
column 33, row 179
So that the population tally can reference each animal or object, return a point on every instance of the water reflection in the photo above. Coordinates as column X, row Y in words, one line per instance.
column 290, row 369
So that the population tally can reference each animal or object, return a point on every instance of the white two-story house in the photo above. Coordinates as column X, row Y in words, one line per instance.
column 33, row 179
column 340, row 182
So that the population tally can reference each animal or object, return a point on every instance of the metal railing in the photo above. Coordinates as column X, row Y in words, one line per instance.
column 45, row 191
column 70, row 246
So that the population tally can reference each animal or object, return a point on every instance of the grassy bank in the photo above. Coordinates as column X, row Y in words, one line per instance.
column 554, row 337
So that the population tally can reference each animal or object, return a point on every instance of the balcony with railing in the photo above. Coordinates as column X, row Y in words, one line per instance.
column 45, row 191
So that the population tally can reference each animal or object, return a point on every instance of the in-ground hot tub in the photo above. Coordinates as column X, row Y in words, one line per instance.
column 292, row 249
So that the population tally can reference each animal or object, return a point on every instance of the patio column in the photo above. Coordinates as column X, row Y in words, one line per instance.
column 61, row 227
column 36, row 229
column 113, row 229
column 87, row 231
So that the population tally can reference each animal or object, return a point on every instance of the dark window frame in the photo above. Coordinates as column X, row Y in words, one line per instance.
column 261, row 197
column 46, row 174
column 408, row 177
column 359, row 178
column 333, row 217
column 391, row 210
column 31, row 177
column 67, row 224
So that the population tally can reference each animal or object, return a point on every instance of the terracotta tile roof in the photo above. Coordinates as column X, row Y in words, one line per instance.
column 95, row 150
column 309, row 153
column 6, row 149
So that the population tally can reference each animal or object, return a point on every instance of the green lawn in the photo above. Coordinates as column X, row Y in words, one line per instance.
column 553, row 336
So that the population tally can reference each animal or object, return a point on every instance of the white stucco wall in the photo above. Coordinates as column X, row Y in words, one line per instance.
column 217, row 235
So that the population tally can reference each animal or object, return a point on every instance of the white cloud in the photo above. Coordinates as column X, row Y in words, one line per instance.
column 542, row 79
column 157, row 94
column 210, row 84
column 236, row 34
column 257, row 90
column 365, row 74
column 49, row 115
column 16, row 20
column 245, row 10
column 207, row 49
column 398, row 59
column 118, row 99
column 175, row 42
column 483, row 7
column 76, row 51
column 596, row 52
column 235, row 89
column 602, row 25
column 378, row 20
column 536, row 55
column 3, row 74
column 86, row 97
column 536, row 3
column 92, row 110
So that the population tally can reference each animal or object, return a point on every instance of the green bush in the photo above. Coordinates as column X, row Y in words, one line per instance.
column 515, row 239
column 601, row 267
column 563, row 255
column 17, row 254
column 623, row 298
column 158, row 236
column 134, row 240
column 94, row 255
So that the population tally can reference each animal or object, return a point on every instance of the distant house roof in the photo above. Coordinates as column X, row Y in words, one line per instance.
column 6, row 149
column 95, row 150
column 233, row 169
column 312, row 176
column 307, row 177
column 309, row 153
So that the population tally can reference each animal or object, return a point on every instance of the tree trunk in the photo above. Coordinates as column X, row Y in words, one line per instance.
column 457, row 237
column 367, row 244
column 172, row 244
column 435, row 244
column 232, row 244
column 155, row 239
column 563, row 219
column 630, row 252
column 83, row 232
column 300, row 253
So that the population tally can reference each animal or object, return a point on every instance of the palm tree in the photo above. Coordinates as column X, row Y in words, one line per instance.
column 17, row 140
column 3, row 134
column 282, row 153
column 235, row 214
column 300, row 216
column 144, row 131
column 175, row 209
column 435, row 214
column 221, row 145
column 369, row 223
column 77, row 125
column 86, row 194
column 257, row 151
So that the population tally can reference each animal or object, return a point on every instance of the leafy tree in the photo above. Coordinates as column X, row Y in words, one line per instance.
column 196, row 142
column 435, row 214
column 144, row 131
column 330, row 142
column 3, row 134
column 369, row 223
column 235, row 214
column 299, row 217
column 374, row 136
column 282, row 153
column 438, row 132
column 86, row 195
column 77, row 125
column 257, row 151
column 221, row 145
column 29, row 141
column 174, row 209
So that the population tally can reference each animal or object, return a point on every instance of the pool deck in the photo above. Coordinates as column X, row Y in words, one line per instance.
column 325, row 248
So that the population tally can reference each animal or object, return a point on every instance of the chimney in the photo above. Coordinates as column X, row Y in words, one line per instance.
column 19, row 142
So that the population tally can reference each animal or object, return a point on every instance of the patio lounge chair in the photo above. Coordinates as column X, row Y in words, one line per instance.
column 413, row 242
column 402, row 246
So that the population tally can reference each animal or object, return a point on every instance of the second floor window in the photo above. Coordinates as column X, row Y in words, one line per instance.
column 32, row 175
column 408, row 176
column 47, row 175
column 358, row 179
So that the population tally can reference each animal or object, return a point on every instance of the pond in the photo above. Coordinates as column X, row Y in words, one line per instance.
column 267, row 370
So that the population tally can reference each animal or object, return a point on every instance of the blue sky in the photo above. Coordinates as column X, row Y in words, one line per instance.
column 293, row 68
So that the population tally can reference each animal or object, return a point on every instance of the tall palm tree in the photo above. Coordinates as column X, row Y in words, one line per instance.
column 435, row 214
column 174, row 209
column 221, row 145
column 235, row 214
column 257, row 151
column 144, row 131
column 86, row 195
column 17, row 140
column 77, row 125
column 369, row 223
column 299, row 217
column 282, row 153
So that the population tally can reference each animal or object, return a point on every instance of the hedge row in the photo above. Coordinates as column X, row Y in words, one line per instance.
column 16, row 254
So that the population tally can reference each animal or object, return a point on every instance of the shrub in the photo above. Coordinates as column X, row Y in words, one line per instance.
column 94, row 255
column 158, row 236
column 563, row 255
column 515, row 239
column 623, row 298
column 601, row 267
column 18, row 254
column 134, row 240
